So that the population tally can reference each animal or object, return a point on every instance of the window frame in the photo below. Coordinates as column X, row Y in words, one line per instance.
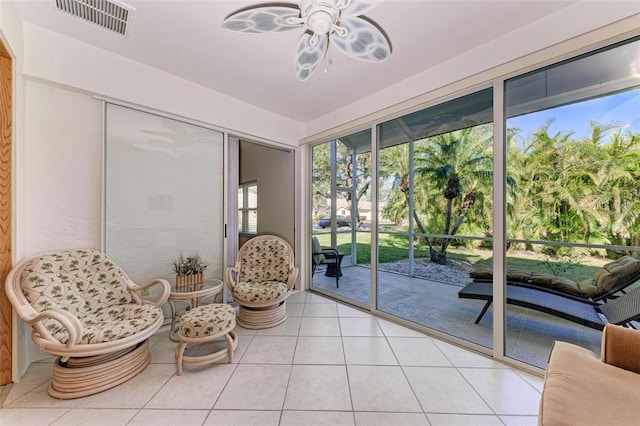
column 245, row 210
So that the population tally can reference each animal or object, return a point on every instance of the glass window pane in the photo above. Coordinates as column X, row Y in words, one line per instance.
column 149, row 216
column 393, row 187
column 252, row 221
column 453, row 183
column 572, row 157
column 605, row 72
column 321, row 186
column 575, row 165
column 435, row 213
column 344, row 165
column 341, row 198
column 252, row 196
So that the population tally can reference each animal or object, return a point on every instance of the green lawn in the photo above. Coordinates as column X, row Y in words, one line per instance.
column 396, row 247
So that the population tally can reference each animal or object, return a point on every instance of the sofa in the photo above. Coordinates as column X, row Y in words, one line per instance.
column 85, row 310
column 580, row 389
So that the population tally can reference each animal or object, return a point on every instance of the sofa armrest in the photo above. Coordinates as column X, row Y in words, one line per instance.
column 43, row 337
column 621, row 347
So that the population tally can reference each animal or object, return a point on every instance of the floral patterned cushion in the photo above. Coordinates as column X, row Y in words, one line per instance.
column 265, row 260
column 113, row 323
column 207, row 320
column 259, row 292
column 88, row 284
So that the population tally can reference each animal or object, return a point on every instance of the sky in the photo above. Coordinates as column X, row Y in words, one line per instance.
column 623, row 108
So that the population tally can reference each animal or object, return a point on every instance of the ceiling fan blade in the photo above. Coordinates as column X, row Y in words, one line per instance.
column 359, row 7
column 363, row 41
column 268, row 19
column 309, row 53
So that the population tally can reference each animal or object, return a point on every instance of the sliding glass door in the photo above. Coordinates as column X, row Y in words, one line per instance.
column 163, row 193
column 575, row 153
column 434, row 213
column 341, row 217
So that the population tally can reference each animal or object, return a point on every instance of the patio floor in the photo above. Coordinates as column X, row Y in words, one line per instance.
column 435, row 305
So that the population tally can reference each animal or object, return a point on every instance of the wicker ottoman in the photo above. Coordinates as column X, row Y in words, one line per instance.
column 204, row 324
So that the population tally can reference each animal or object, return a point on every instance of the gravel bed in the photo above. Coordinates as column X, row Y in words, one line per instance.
column 454, row 272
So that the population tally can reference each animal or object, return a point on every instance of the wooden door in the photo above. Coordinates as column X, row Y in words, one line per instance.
column 6, row 118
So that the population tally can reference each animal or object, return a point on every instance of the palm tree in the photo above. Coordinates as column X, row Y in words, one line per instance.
column 577, row 190
column 546, row 185
column 612, row 169
column 461, row 162
column 456, row 167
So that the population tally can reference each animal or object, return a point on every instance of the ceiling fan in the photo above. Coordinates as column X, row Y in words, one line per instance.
column 336, row 21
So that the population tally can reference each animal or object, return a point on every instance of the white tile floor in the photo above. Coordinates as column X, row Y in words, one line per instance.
column 328, row 364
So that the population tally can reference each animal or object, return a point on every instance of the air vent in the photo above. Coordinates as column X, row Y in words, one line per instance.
column 106, row 14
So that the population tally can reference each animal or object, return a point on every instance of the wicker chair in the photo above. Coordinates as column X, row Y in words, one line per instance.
column 261, row 280
column 84, row 309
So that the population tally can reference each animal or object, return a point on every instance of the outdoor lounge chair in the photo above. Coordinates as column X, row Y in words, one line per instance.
column 620, row 311
column 612, row 278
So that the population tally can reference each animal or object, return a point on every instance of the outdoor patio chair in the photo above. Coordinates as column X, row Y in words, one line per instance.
column 261, row 280
column 329, row 257
column 612, row 278
column 620, row 311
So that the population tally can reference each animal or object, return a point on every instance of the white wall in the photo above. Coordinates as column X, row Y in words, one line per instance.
column 63, row 60
column 59, row 180
column 64, row 169
column 510, row 53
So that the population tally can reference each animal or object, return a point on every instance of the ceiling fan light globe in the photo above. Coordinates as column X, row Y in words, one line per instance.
column 320, row 22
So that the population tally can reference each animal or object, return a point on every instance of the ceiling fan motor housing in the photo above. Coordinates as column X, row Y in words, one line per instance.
column 320, row 15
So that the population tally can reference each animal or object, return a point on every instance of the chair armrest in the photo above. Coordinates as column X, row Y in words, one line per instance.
column 293, row 276
column 69, row 321
column 166, row 291
column 229, row 277
column 621, row 347
column 330, row 252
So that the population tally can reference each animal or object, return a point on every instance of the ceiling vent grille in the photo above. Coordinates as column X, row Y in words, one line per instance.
column 103, row 13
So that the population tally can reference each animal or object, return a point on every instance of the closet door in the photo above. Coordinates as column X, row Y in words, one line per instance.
column 163, row 193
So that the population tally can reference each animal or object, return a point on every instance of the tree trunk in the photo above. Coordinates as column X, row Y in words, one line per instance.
column 447, row 222
column 419, row 224
column 468, row 202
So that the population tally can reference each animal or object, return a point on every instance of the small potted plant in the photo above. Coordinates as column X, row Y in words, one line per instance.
column 190, row 269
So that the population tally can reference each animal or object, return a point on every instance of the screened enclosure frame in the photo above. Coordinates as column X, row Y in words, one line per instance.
column 499, row 239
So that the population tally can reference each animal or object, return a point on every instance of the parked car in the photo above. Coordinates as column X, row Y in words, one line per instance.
column 325, row 222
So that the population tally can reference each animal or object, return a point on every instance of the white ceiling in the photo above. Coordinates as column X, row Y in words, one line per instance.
column 185, row 38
